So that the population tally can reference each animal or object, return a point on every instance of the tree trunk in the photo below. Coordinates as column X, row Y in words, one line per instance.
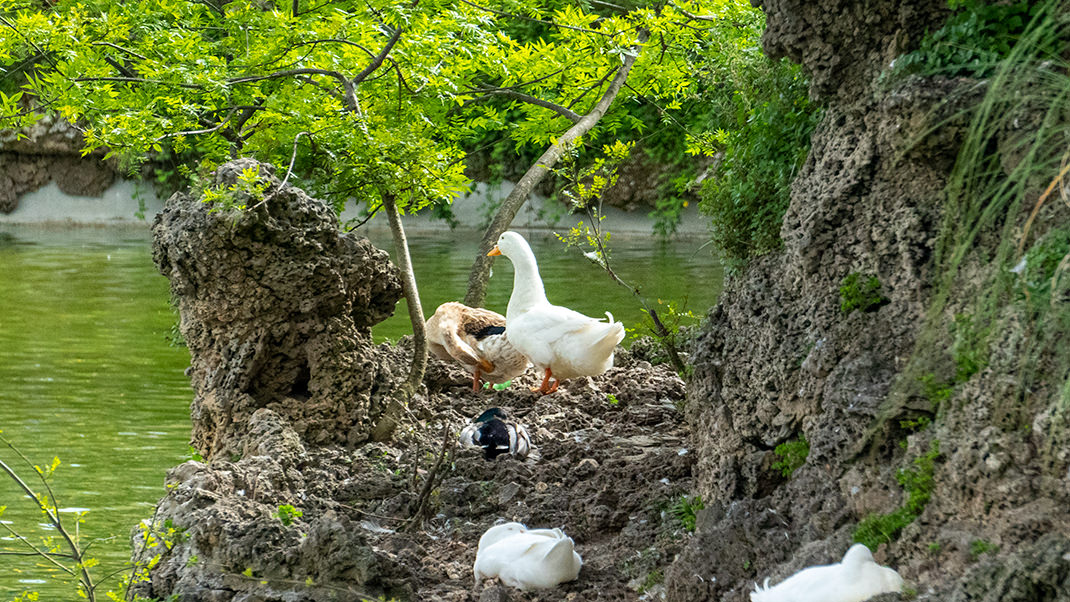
column 480, row 274
column 389, row 420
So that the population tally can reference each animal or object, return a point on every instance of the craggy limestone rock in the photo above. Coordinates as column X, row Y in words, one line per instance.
column 780, row 359
column 277, row 306
column 49, row 150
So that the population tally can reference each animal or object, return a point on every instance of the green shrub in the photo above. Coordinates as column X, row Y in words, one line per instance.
column 918, row 484
column 975, row 38
column 792, row 455
column 861, row 293
column 686, row 509
column 981, row 546
column 763, row 151
column 287, row 513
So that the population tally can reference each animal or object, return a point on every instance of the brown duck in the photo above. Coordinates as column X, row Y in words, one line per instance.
column 476, row 338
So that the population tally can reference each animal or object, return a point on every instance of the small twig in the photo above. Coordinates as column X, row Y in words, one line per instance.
column 371, row 214
column 198, row 132
column 663, row 334
column 289, row 170
column 120, row 48
column 692, row 16
column 139, row 80
column 597, row 86
column 432, row 476
column 1057, row 181
column 366, row 513
column 76, row 554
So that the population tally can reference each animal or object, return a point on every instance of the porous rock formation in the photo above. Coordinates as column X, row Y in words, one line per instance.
column 277, row 306
column 780, row 359
column 48, row 151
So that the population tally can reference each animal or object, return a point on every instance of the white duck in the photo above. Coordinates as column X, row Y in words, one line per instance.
column 560, row 342
column 526, row 558
column 858, row 577
column 474, row 337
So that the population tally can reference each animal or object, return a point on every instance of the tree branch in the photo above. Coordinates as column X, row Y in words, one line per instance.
column 121, row 49
column 565, row 112
column 288, row 73
column 139, row 80
column 477, row 278
column 692, row 16
column 589, row 88
column 377, row 61
column 289, row 170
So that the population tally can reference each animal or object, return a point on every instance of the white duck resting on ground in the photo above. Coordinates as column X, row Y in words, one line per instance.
column 560, row 342
column 858, row 577
column 497, row 435
column 474, row 337
column 526, row 558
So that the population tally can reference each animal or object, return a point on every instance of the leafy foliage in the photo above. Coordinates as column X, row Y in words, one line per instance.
column 861, row 293
column 974, row 39
column 287, row 513
column 685, row 510
column 792, row 455
column 763, row 149
column 982, row 546
column 366, row 100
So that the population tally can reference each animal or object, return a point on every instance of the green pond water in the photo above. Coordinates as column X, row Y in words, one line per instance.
column 88, row 373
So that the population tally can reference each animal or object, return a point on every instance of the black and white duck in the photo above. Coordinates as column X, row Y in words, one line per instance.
column 497, row 435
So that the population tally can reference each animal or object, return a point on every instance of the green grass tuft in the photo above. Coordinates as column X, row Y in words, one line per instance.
column 918, row 484
column 861, row 293
column 792, row 455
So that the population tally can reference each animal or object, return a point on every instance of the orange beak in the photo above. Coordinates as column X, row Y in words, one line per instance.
column 494, row 251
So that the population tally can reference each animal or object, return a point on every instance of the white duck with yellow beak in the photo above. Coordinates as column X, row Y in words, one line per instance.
column 560, row 342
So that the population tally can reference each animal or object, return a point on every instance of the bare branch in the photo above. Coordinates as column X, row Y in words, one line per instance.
column 567, row 113
column 289, row 170
column 121, row 49
column 377, row 61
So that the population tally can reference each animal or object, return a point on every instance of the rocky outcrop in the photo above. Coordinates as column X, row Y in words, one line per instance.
column 287, row 500
column 781, row 359
column 48, row 151
column 277, row 306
